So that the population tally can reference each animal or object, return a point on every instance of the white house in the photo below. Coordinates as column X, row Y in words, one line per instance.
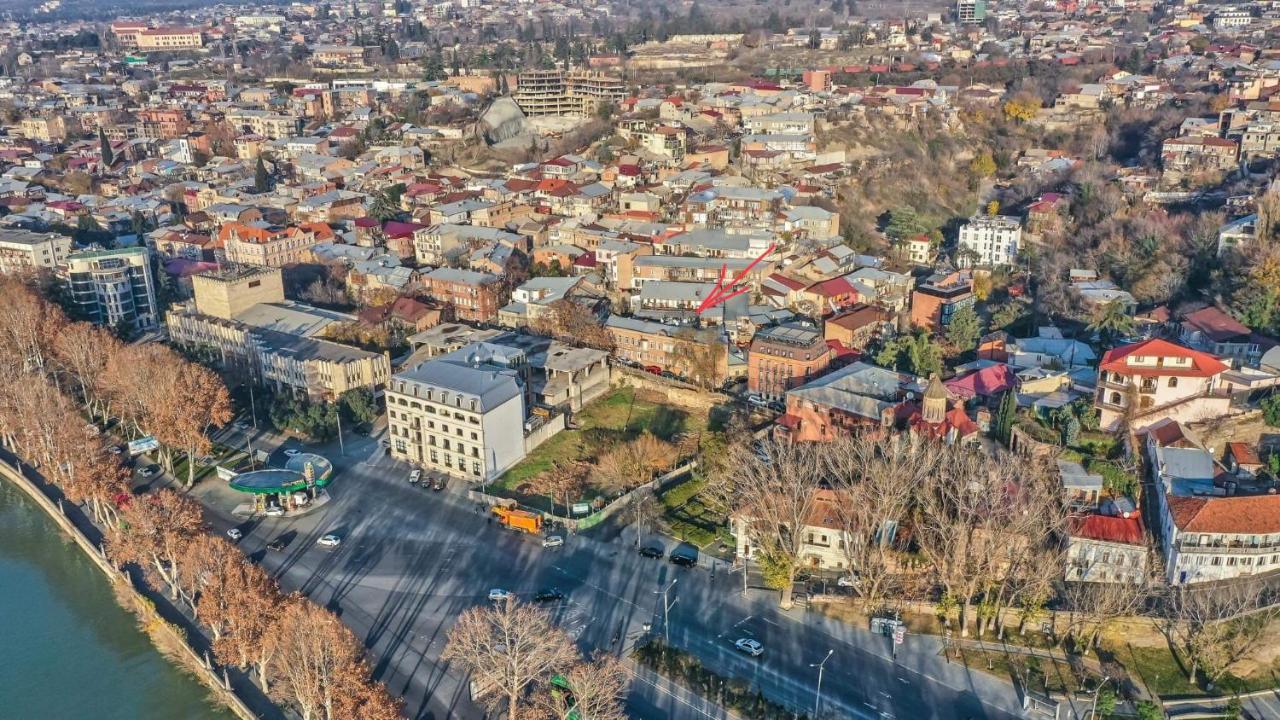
column 991, row 240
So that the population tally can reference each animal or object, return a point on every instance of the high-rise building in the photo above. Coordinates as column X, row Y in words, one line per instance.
column 971, row 12
column 113, row 287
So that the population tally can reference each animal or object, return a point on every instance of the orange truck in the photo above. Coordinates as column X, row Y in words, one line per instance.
column 519, row 520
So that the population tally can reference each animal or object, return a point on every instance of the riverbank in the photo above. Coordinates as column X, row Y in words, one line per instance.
column 71, row 651
column 171, row 631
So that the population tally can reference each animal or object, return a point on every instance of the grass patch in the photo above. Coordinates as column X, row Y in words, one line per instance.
column 620, row 415
column 687, row 517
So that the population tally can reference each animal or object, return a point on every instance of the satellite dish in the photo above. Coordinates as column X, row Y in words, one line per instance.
column 911, row 395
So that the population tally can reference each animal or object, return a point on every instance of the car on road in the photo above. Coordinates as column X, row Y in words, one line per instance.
column 235, row 534
column 415, row 476
column 553, row 541
column 497, row 594
column 653, row 369
column 329, row 540
column 749, row 646
column 652, row 551
column 275, row 511
column 439, row 483
column 548, row 595
column 149, row 471
column 278, row 544
column 682, row 560
column 292, row 452
column 240, row 425
column 848, row 581
column 778, row 406
column 756, row 401
column 115, row 450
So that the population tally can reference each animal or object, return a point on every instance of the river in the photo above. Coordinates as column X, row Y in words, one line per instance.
column 67, row 650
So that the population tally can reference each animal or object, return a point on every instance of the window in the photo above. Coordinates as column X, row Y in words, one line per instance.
column 1173, row 382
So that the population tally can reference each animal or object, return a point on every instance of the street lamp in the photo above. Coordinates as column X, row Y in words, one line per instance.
column 666, row 609
column 817, row 698
column 1093, row 709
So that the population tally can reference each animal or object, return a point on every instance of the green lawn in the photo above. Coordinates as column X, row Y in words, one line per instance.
column 688, row 518
column 1166, row 676
column 616, row 416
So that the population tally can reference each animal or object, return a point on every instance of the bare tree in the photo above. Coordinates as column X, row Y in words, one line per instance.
column 507, row 648
column 630, row 464
column 1095, row 604
column 875, row 479
column 1216, row 626
column 774, row 501
column 313, row 648
column 598, row 688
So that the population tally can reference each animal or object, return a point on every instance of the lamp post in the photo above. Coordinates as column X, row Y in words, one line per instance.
column 666, row 609
column 1093, row 709
column 817, row 698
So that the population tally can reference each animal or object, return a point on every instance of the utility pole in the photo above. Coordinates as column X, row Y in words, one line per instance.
column 342, row 450
column 817, row 698
column 666, row 610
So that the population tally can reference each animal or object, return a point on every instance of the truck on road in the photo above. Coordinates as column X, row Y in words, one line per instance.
column 521, row 520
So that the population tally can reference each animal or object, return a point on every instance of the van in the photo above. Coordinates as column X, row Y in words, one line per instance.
column 756, row 401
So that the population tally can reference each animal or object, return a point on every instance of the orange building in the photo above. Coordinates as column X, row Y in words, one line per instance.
column 785, row 356
column 937, row 298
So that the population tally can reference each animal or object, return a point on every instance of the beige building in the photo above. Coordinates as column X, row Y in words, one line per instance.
column 575, row 92
column 1142, row 383
column 462, row 414
column 170, row 38
column 273, row 246
column 45, row 129
column 22, row 250
column 240, row 318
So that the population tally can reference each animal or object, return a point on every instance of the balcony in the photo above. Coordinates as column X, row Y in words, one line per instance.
column 1229, row 548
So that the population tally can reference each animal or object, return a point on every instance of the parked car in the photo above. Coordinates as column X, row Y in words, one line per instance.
column 415, row 476
column 275, row 511
column 778, row 406
column 497, row 594
column 149, row 471
column 756, row 401
column 329, row 540
column 552, row 541
column 438, row 484
column 749, row 646
column 653, row 369
column 848, row 581
column 292, row 452
column 115, row 450
column 652, row 551
column 548, row 595
column 278, row 544
column 682, row 560
column 235, row 534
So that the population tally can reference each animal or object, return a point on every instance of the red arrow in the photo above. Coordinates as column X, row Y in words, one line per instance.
column 718, row 295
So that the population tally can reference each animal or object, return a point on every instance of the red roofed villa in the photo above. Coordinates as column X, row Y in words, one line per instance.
column 1165, row 379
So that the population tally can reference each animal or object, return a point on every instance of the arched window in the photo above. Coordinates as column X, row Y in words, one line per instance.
column 1115, row 398
column 1173, row 382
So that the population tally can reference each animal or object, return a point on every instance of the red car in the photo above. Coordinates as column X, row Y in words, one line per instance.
column 653, row 369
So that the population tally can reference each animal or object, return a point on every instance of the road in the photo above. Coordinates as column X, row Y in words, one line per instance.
column 412, row 560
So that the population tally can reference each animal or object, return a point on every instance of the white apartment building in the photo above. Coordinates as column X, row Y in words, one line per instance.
column 462, row 414
column 22, row 250
column 991, row 240
column 113, row 287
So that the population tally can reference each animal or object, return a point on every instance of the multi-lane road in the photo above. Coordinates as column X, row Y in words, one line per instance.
column 411, row 560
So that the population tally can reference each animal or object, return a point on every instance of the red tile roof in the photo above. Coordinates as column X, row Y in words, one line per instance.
column 1108, row 528
column 1249, row 515
column 1202, row 364
column 985, row 382
column 1215, row 324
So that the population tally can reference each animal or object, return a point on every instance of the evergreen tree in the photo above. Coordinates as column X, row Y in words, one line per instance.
column 108, row 158
column 964, row 329
column 1006, row 414
column 261, row 180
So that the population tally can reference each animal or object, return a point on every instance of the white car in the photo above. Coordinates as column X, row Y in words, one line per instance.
column 749, row 646
column 848, row 581
column 498, row 594
column 415, row 476
column 552, row 541
column 292, row 452
column 275, row 511
column 329, row 540
column 235, row 534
